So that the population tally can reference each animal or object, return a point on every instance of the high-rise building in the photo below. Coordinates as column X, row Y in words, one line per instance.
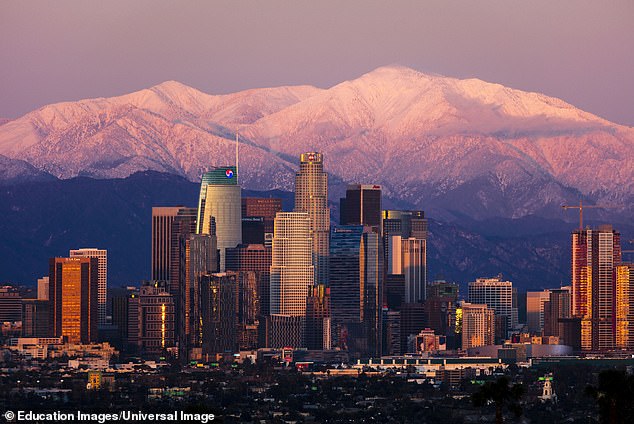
column 199, row 257
column 121, row 300
column 361, row 206
column 157, row 320
column 42, row 288
column 292, row 270
column 10, row 304
column 162, row 220
column 255, row 258
column 35, row 316
column 253, row 230
column 102, row 276
column 220, row 198
column 556, row 308
column 356, row 288
column 535, row 310
column 318, row 324
column 625, row 306
column 220, row 312
column 596, row 254
column 73, row 289
column 183, row 226
column 478, row 324
column 311, row 197
column 405, row 250
column 497, row 295
column 413, row 320
column 441, row 288
column 263, row 207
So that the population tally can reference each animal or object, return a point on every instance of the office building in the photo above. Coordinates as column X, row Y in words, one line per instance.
column 220, row 198
column 311, row 197
column 477, row 325
column 157, row 319
column 262, row 207
column 42, row 288
column 596, row 254
column 73, row 297
column 356, row 288
column 122, row 300
column 162, row 220
column 183, row 226
column 102, row 276
column 413, row 320
column 556, row 308
column 253, row 230
column 199, row 257
column 535, row 310
column 497, row 295
column 624, row 307
column 408, row 257
column 35, row 316
column 361, row 206
column 292, row 270
column 405, row 250
column 318, row 321
column 441, row 288
column 220, row 313
column 10, row 304
column 255, row 258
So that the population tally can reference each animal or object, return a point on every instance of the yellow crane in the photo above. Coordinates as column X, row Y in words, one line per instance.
column 581, row 207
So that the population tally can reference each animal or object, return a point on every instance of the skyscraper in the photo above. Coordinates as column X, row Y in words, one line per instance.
column 220, row 312
column 356, row 288
column 264, row 207
column 162, row 220
column 199, row 257
column 405, row 250
column 596, row 254
column 625, row 306
column 311, row 197
column 102, row 276
column 292, row 270
column 220, row 198
column 361, row 206
column 535, row 301
column 556, row 308
column 73, row 288
column 497, row 295
column 157, row 321
column 183, row 226
column 318, row 323
column 478, row 324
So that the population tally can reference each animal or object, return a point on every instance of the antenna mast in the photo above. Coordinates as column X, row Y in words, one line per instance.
column 237, row 173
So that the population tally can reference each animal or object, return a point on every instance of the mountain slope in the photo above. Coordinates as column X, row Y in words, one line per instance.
column 429, row 140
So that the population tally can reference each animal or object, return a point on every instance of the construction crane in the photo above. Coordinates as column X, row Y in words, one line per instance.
column 581, row 207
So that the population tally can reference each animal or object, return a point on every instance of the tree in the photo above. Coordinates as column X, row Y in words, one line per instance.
column 614, row 395
column 503, row 395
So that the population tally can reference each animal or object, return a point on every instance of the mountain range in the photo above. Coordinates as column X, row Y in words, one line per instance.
column 453, row 147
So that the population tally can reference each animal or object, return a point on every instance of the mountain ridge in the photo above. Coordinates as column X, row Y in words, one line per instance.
column 424, row 137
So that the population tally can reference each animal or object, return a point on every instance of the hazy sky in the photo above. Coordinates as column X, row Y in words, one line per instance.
column 581, row 51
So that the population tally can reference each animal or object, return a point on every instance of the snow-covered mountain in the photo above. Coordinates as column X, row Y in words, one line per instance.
column 463, row 145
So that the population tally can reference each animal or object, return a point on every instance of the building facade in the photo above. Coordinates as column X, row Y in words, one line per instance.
column 311, row 197
column 220, row 197
column 73, row 297
column 102, row 276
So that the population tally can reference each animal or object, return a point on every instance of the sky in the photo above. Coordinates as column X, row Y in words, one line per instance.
column 578, row 50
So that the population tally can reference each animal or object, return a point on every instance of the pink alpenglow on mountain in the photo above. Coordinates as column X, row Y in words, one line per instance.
column 420, row 136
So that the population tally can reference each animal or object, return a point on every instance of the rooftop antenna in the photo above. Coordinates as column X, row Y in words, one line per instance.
column 237, row 173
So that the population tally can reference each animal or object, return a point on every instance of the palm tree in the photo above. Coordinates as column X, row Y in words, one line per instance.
column 503, row 395
column 614, row 394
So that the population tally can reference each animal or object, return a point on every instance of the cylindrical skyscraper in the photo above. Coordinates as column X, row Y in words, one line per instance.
column 220, row 197
column 311, row 197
